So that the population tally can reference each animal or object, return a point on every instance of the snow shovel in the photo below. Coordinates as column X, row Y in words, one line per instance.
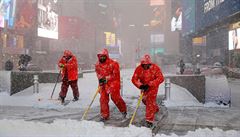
column 55, row 83
column 86, row 111
column 138, row 104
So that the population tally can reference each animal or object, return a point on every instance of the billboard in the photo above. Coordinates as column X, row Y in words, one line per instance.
column 7, row 12
column 157, row 21
column 2, row 21
column 199, row 41
column 110, row 38
column 234, row 39
column 157, row 39
column 47, row 19
column 25, row 15
column 209, row 12
column 176, row 21
column 188, row 16
column 157, row 2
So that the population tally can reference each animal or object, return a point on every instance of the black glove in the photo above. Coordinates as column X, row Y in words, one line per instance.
column 144, row 87
column 102, row 81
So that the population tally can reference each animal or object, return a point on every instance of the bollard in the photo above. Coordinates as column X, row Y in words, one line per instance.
column 36, row 84
column 80, row 70
column 121, row 86
column 167, row 88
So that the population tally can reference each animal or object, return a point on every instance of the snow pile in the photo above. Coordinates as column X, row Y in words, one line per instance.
column 181, row 97
column 72, row 128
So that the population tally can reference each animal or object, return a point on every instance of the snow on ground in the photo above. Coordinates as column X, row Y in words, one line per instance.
column 179, row 96
column 72, row 128
column 217, row 89
column 87, row 88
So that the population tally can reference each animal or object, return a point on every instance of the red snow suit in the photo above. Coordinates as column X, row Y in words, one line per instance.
column 153, row 77
column 69, row 73
column 111, row 71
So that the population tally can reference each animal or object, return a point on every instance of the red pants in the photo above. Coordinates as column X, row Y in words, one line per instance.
column 149, row 99
column 64, row 88
column 116, row 98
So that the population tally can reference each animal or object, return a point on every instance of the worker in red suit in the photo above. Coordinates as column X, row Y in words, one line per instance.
column 69, row 70
column 147, row 77
column 108, row 74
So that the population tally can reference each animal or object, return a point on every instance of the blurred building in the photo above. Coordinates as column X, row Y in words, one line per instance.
column 211, row 29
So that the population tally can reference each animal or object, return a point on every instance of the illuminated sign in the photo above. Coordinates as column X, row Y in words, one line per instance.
column 234, row 39
column 2, row 21
column 25, row 15
column 110, row 38
column 157, row 2
column 47, row 19
column 7, row 12
column 176, row 22
column 154, row 51
column 199, row 41
column 157, row 39
column 210, row 4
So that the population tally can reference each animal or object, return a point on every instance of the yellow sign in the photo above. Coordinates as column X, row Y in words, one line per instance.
column 110, row 39
column 198, row 40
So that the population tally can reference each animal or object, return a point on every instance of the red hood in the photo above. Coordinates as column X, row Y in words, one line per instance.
column 146, row 59
column 67, row 53
column 103, row 52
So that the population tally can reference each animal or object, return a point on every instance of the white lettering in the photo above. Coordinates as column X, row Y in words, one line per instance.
column 210, row 4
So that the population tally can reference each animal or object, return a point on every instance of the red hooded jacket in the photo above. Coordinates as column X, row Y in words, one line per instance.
column 152, row 76
column 70, row 68
column 109, row 70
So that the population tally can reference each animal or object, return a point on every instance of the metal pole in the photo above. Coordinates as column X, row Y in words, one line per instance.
column 121, row 86
column 167, row 88
column 36, row 84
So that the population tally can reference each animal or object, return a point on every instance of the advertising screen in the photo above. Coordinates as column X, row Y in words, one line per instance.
column 47, row 19
column 7, row 12
column 25, row 15
column 176, row 22
column 234, row 39
column 188, row 18
column 2, row 21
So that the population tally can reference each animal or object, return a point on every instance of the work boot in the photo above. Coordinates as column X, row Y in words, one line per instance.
column 102, row 119
column 61, row 99
column 148, row 124
column 124, row 115
column 75, row 99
